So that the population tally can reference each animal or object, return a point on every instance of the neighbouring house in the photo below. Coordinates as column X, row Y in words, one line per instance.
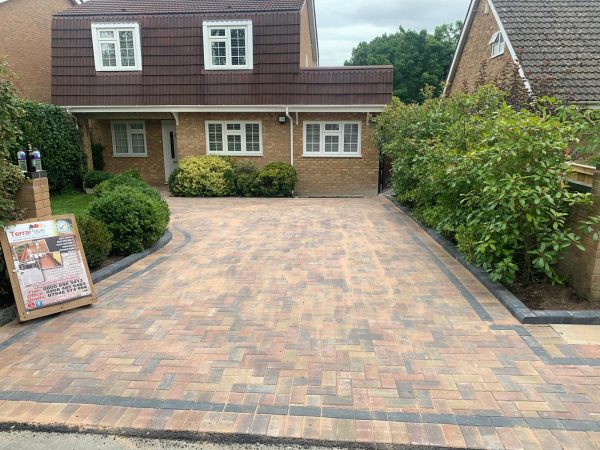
column 156, row 81
column 25, row 29
column 552, row 41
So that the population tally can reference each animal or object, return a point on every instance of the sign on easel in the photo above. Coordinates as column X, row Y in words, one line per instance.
column 47, row 266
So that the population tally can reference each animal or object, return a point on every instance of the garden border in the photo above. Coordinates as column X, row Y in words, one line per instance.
column 516, row 307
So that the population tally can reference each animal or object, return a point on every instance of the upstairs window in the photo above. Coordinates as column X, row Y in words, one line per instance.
column 228, row 45
column 497, row 43
column 234, row 138
column 117, row 46
column 332, row 139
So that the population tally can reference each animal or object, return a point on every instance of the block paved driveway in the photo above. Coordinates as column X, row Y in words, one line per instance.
column 332, row 319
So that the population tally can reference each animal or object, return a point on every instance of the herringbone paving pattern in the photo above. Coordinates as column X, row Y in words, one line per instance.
column 333, row 319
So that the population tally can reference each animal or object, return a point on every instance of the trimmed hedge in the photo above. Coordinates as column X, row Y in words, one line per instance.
column 245, row 179
column 129, row 178
column 276, row 179
column 94, row 177
column 54, row 132
column 203, row 176
column 96, row 240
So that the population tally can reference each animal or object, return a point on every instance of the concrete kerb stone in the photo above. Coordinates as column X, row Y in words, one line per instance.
column 516, row 307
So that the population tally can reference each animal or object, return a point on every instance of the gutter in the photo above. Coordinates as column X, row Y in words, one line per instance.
column 287, row 114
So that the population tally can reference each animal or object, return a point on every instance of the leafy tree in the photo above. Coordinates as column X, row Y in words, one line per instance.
column 419, row 58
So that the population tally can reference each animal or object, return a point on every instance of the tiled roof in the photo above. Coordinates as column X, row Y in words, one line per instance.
column 565, row 35
column 152, row 7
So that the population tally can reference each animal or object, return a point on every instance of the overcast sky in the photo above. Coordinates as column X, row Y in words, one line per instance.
column 343, row 24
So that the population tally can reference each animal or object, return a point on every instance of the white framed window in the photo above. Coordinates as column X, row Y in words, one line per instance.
column 228, row 45
column 234, row 138
column 332, row 139
column 497, row 44
column 117, row 46
column 129, row 139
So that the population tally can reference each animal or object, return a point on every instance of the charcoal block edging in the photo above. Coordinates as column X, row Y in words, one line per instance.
column 516, row 307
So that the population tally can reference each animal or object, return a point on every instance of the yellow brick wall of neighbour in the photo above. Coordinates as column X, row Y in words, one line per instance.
column 151, row 167
column 306, row 50
column 477, row 50
column 316, row 176
column 25, row 39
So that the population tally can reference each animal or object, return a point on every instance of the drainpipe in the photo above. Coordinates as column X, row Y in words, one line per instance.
column 287, row 114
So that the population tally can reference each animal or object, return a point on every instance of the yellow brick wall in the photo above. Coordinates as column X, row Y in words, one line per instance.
column 306, row 50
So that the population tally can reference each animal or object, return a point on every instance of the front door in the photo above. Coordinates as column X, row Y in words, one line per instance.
column 169, row 132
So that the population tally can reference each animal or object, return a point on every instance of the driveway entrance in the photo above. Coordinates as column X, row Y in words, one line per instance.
column 332, row 319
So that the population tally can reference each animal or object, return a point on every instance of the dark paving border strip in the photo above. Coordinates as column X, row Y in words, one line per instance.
column 210, row 438
column 516, row 307
column 497, row 421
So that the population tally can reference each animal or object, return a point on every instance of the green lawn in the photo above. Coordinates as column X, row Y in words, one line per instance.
column 71, row 203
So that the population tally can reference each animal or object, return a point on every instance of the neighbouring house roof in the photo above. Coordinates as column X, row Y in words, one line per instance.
column 162, row 7
column 560, row 38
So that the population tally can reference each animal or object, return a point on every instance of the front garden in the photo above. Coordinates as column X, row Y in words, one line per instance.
column 492, row 177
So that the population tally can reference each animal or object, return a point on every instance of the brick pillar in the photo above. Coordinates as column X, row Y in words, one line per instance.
column 34, row 196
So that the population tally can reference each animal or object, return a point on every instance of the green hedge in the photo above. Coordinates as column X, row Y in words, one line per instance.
column 96, row 240
column 276, row 179
column 203, row 176
column 490, row 176
column 53, row 131
column 94, row 177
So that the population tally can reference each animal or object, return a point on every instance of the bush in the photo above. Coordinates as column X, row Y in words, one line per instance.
column 244, row 179
column 94, row 177
column 11, row 111
column 135, row 219
column 203, row 176
column 276, row 179
column 53, row 131
column 98, row 156
column 96, row 240
column 489, row 176
column 128, row 178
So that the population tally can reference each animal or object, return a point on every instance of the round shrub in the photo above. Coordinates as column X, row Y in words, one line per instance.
column 128, row 178
column 203, row 176
column 94, row 177
column 96, row 240
column 276, row 179
column 53, row 131
column 135, row 219
column 244, row 179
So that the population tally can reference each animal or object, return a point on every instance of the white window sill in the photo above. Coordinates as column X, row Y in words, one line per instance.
column 129, row 156
column 227, row 69
column 129, row 69
column 235, row 154
column 308, row 155
column 496, row 56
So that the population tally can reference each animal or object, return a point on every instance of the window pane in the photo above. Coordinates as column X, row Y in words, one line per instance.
column 215, row 137
column 234, row 127
column 313, row 137
column 351, row 138
column 137, row 143
column 109, row 57
column 238, row 47
column 127, row 49
column 332, row 144
column 332, row 127
column 136, row 126
column 234, row 143
column 107, row 34
column 120, row 132
column 252, row 137
column 219, row 32
column 219, row 53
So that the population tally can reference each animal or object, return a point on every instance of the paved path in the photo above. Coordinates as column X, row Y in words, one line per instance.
column 322, row 319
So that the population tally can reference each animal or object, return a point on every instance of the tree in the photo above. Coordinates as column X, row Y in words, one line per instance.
column 419, row 58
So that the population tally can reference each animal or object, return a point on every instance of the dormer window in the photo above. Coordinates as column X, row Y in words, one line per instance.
column 497, row 43
column 117, row 46
column 228, row 45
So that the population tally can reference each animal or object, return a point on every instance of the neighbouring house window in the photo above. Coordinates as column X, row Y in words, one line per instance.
column 117, row 46
column 234, row 138
column 332, row 138
column 497, row 43
column 129, row 139
column 227, row 45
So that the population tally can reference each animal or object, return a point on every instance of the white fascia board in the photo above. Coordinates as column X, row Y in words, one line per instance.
column 225, row 108
column 509, row 45
column 461, row 43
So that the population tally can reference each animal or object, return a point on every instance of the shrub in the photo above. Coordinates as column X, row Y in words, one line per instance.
column 135, row 219
column 96, row 240
column 128, row 178
column 203, row 176
column 244, row 179
column 276, row 179
column 94, row 177
column 172, row 178
column 53, row 131
column 490, row 176
column 98, row 156
column 10, row 112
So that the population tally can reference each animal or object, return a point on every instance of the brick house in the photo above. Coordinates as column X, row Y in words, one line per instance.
column 155, row 81
column 25, row 41
column 551, row 39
